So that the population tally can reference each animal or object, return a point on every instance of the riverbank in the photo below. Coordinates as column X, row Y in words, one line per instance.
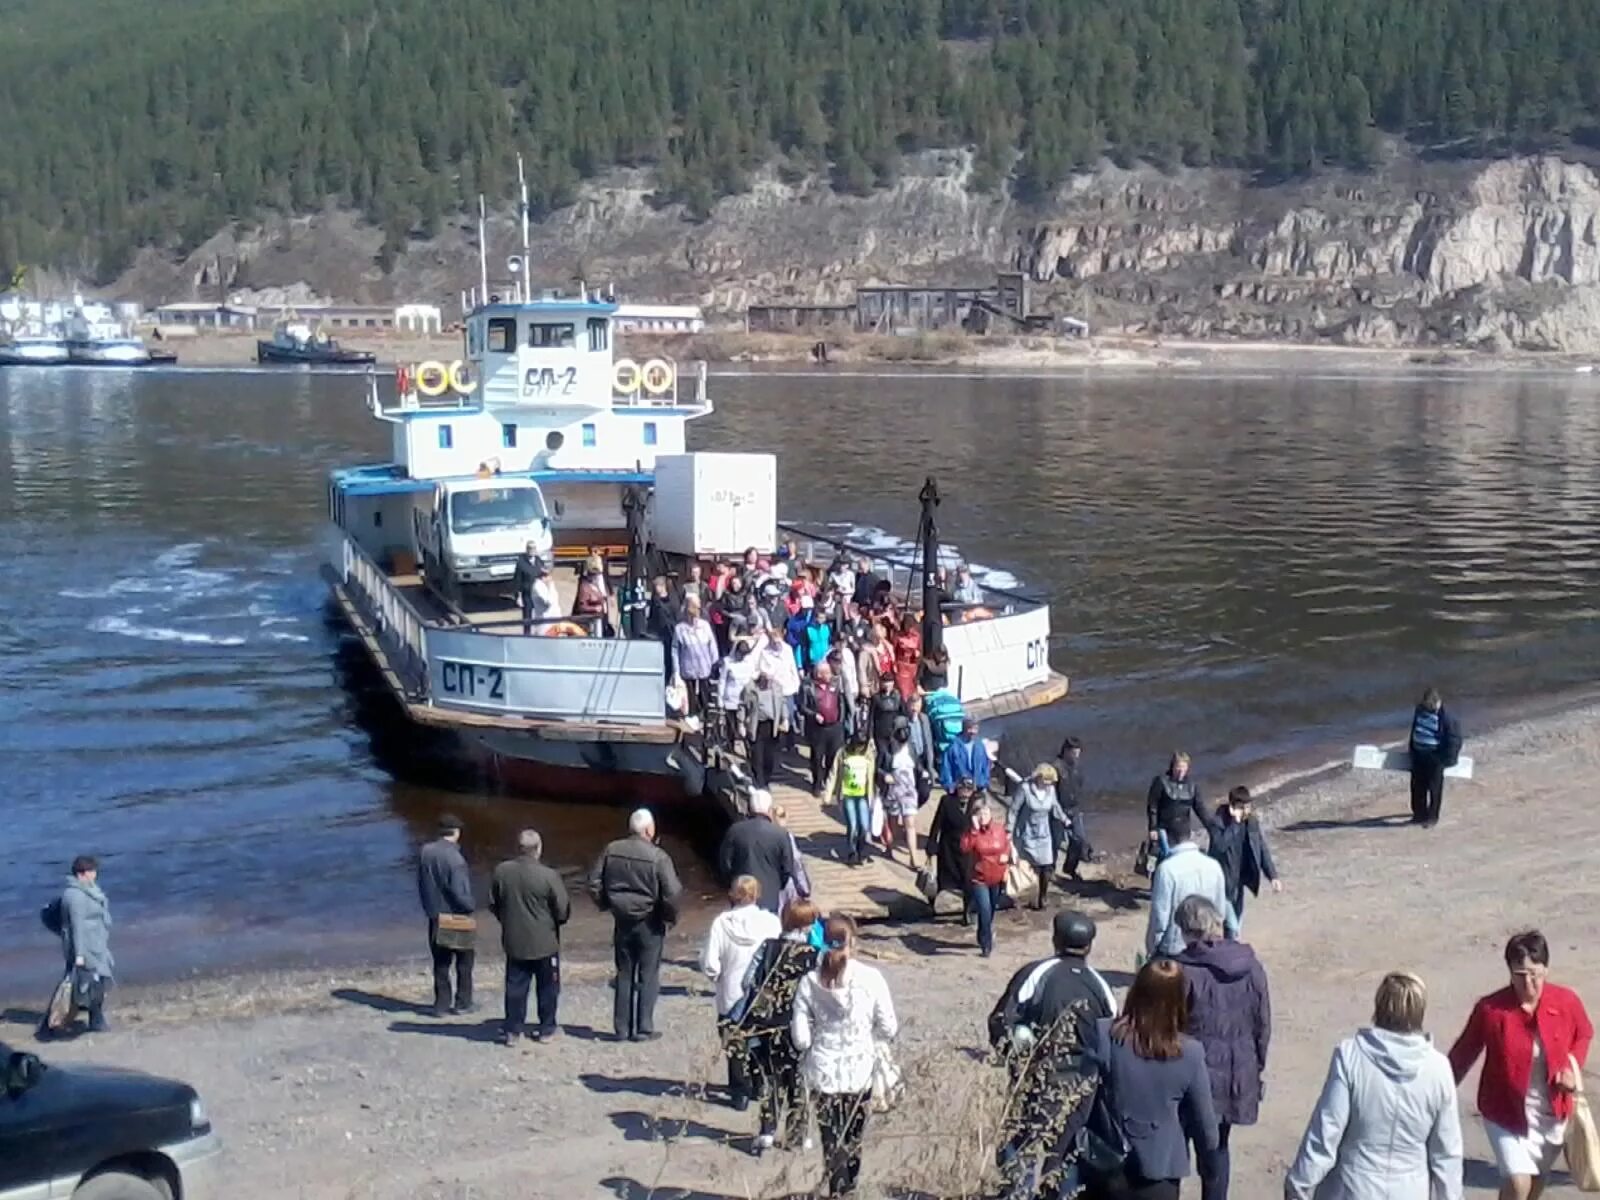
column 216, row 350
column 330, row 1083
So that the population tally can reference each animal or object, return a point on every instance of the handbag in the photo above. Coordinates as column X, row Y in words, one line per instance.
column 887, row 1083
column 455, row 931
column 88, row 989
column 927, row 885
column 1103, row 1145
column 1583, row 1141
column 1021, row 880
column 1141, row 859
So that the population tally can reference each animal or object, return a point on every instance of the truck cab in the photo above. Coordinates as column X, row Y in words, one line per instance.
column 470, row 531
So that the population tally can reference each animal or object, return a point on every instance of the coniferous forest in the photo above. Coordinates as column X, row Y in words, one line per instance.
column 155, row 122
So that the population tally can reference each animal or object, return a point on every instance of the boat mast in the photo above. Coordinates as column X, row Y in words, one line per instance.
column 483, row 255
column 932, row 616
column 527, row 270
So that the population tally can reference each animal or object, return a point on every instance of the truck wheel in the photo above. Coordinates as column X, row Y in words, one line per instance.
column 117, row 1185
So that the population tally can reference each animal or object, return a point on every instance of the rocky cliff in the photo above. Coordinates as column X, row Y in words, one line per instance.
column 1494, row 254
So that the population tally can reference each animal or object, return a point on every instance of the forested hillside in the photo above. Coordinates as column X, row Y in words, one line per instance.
column 154, row 122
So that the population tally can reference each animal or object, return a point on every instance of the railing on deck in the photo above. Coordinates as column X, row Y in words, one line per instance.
column 400, row 629
column 656, row 382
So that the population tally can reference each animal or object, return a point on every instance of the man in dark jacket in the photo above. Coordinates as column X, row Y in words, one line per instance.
column 1230, row 1015
column 1240, row 845
column 1074, row 835
column 1043, row 1024
column 530, row 902
column 1435, row 745
column 661, row 618
column 445, row 887
column 823, row 706
column 885, row 710
column 636, row 883
column 1171, row 793
column 757, row 846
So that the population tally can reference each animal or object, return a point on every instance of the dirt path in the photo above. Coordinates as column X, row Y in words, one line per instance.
column 337, row 1087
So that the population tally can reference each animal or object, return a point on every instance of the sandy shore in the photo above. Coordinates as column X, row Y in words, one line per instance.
column 219, row 350
column 332, row 1085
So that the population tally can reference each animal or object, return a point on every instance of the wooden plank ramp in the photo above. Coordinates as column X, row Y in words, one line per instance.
column 879, row 888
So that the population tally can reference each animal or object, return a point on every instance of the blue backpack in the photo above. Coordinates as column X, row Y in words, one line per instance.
column 945, row 714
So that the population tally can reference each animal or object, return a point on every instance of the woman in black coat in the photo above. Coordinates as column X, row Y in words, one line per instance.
column 950, row 821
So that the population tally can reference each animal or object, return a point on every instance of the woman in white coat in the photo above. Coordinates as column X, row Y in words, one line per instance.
column 842, row 1013
column 1386, row 1126
column 736, row 936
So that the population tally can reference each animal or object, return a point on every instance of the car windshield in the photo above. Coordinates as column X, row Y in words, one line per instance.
column 490, row 508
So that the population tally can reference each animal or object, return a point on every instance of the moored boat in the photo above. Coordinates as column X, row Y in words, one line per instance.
column 297, row 343
column 32, row 344
column 95, row 338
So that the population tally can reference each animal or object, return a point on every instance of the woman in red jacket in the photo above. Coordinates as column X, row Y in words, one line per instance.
column 987, row 848
column 1534, row 1037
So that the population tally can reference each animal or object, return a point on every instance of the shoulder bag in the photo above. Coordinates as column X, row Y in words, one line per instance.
column 1583, row 1141
column 1103, row 1145
column 456, row 932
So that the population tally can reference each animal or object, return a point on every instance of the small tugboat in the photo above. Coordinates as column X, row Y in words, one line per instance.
column 539, row 437
column 295, row 342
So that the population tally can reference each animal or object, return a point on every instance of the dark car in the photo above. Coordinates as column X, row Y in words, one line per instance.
column 94, row 1133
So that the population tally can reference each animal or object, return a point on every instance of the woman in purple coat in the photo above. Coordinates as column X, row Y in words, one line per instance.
column 1231, row 1016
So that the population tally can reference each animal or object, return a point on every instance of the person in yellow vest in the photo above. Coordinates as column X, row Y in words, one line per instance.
column 855, row 796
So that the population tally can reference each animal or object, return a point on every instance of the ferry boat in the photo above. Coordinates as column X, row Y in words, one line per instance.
column 295, row 342
column 95, row 338
column 32, row 344
column 539, row 434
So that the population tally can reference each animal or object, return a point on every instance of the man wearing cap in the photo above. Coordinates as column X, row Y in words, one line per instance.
column 966, row 757
column 757, row 846
column 1045, row 1026
column 445, row 887
column 535, row 591
column 636, row 883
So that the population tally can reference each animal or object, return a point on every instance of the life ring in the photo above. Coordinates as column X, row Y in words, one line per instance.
column 658, row 376
column 402, row 381
column 433, row 378
column 461, row 378
column 976, row 614
column 625, row 376
column 565, row 629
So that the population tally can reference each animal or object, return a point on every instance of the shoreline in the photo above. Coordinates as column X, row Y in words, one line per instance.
column 329, row 1084
column 212, row 350
column 1292, row 791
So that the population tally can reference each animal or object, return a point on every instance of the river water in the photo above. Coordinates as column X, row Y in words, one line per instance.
column 1261, row 570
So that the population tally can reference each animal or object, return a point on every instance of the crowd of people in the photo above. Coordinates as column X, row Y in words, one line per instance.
column 1107, row 1100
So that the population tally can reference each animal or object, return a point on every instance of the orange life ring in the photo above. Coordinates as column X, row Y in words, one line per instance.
column 565, row 629
column 977, row 614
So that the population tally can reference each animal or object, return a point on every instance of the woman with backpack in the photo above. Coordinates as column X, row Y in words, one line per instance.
column 81, row 917
column 843, row 1020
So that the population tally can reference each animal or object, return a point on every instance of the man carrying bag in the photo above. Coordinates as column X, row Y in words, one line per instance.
column 445, row 887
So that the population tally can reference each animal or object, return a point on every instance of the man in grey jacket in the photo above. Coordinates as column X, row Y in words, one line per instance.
column 445, row 886
column 636, row 883
column 530, row 902
column 1184, row 872
column 86, row 933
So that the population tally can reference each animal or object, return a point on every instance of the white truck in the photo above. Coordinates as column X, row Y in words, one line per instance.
column 470, row 531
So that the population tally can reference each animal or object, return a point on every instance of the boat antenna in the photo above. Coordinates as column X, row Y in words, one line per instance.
column 483, row 253
column 928, row 536
column 522, row 185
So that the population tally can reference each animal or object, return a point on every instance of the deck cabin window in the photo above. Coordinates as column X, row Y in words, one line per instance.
column 508, row 437
column 445, row 438
column 649, row 433
column 542, row 336
column 599, row 334
column 502, row 335
column 588, row 435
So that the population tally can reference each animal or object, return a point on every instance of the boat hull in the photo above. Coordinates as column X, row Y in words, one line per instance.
column 116, row 355
column 587, row 772
column 271, row 353
column 33, row 354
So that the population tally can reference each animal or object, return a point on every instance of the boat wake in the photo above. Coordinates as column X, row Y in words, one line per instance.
column 876, row 540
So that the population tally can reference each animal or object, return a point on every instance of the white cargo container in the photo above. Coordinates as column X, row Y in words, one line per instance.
column 715, row 504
